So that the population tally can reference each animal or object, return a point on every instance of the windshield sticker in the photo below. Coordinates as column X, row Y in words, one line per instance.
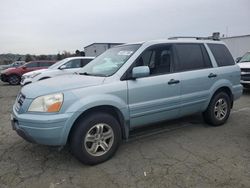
column 126, row 53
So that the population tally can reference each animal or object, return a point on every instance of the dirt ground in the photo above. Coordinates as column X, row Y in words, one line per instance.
column 181, row 153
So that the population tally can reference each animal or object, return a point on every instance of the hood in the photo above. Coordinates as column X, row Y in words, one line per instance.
column 244, row 65
column 60, row 84
column 34, row 72
column 8, row 69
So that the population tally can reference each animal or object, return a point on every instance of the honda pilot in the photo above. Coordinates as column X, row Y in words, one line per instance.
column 127, row 87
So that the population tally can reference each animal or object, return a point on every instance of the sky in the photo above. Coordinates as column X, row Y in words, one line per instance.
column 52, row 26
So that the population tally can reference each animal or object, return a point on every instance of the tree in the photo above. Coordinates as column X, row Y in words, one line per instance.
column 42, row 57
column 58, row 56
column 28, row 58
column 79, row 53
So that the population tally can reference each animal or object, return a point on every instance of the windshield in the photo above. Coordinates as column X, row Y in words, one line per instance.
column 245, row 58
column 110, row 61
column 57, row 64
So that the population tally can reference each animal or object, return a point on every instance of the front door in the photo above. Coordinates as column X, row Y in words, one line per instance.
column 156, row 97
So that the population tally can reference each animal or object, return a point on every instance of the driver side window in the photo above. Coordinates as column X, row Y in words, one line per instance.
column 158, row 59
column 76, row 63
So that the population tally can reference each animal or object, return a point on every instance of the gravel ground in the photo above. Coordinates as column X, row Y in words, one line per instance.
column 180, row 153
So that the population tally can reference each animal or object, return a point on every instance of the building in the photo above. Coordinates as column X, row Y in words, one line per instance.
column 238, row 45
column 96, row 49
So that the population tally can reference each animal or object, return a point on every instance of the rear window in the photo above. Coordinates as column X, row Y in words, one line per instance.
column 221, row 54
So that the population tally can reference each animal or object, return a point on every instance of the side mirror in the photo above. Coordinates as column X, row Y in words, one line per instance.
column 24, row 67
column 63, row 67
column 141, row 71
column 237, row 60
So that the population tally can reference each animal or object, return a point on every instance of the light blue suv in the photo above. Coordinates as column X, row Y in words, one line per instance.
column 126, row 87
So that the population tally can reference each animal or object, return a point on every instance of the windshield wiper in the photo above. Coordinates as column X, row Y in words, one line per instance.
column 84, row 73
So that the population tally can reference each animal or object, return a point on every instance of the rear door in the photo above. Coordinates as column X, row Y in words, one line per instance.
column 156, row 97
column 196, row 76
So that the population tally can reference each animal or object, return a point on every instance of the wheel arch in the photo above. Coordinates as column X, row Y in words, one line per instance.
column 112, row 110
column 227, row 90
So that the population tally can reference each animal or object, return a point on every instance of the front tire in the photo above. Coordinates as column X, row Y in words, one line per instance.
column 95, row 138
column 218, row 109
column 14, row 79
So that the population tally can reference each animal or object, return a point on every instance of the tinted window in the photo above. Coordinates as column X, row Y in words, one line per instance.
column 158, row 59
column 45, row 64
column 192, row 57
column 85, row 62
column 221, row 55
column 75, row 63
column 32, row 64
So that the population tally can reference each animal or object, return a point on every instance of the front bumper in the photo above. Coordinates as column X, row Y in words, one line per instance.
column 46, row 129
column 4, row 77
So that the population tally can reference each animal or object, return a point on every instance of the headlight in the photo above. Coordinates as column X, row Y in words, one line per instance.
column 47, row 103
column 34, row 75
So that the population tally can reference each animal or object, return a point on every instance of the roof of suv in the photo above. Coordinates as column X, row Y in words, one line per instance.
column 180, row 40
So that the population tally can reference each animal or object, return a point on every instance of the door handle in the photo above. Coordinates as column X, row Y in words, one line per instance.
column 173, row 81
column 212, row 75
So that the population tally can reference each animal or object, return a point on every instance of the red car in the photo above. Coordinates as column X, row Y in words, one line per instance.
column 13, row 75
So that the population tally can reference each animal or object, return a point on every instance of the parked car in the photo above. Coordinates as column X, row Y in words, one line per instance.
column 13, row 75
column 14, row 64
column 244, row 64
column 65, row 66
column 127, row 87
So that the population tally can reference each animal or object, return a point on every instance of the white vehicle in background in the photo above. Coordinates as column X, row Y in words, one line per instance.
column 244, row 64
column 66, row 66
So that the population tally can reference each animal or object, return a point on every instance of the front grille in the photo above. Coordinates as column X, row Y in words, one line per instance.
column 19, row 101
column 245, row 77
column 245, row 70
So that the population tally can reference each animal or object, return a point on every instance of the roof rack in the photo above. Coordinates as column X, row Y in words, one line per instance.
column 215, row 36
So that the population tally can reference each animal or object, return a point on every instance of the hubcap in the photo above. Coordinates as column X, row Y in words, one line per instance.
column 99, row 139
column 220, row 109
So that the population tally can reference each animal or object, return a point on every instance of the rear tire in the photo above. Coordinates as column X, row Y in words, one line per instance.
column 14, row 79
column 95, row 138
column 218, row 109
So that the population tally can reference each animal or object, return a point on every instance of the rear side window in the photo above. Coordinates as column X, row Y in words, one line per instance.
column 191, row 57
column 221, row 55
